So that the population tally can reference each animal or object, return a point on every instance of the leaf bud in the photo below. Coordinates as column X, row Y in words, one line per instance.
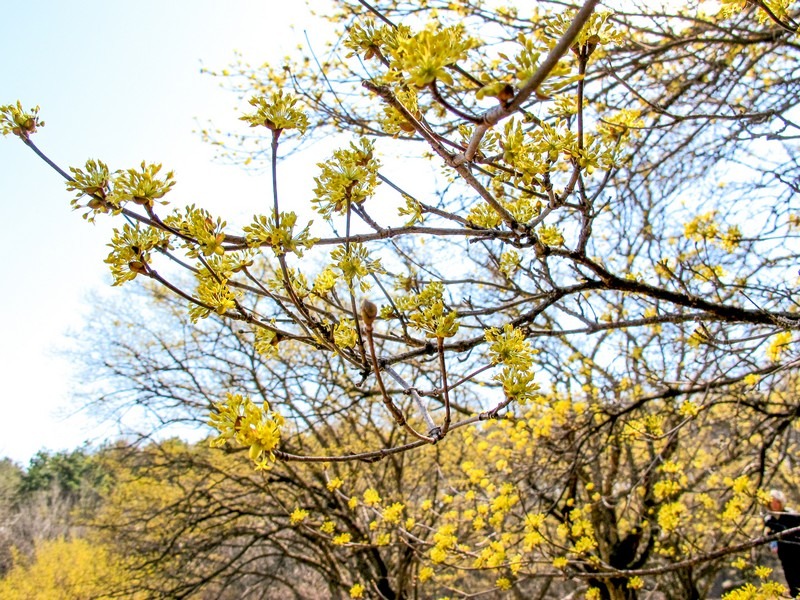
column 506, row 93
column 368, row 312
column 137, row 266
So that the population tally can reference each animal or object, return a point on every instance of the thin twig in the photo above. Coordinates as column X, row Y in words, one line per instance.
column 445, row 392
column 494, row 115
column 376, row 455
column 412, row 391
column 387, row 399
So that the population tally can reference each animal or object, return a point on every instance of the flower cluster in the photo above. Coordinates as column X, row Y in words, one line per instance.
column 198, row 225
column 239, row 419
column 16, row 120
column 508, row 347
column 279, row 236
column 130, row 250
column 355, row 264
column 425, row 56
column 109, row 192
column 277, row 113
column 429, row 313
column 142, row 186
column 350, row 177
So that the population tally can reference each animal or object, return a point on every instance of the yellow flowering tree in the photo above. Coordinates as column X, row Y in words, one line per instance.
column 77, row 569
column 580, row 320
column 546, row 494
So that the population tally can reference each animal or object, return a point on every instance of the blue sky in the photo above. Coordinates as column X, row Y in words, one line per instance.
column 119, row 81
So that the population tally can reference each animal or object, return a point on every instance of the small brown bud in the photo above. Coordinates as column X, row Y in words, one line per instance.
column 368, row 311
column 137, row 266
column 97, row 191
column 506, row 94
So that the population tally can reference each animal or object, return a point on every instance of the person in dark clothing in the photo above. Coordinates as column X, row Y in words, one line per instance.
column 781, row 519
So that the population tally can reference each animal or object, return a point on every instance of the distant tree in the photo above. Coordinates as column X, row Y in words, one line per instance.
column 75, row 569
column 47, row 501
column 69, row 473
column 185, row 511
column 10, row 477
column 601, row 265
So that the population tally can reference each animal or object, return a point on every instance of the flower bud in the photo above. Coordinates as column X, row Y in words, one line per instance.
column 137, row 266
column 368, row 311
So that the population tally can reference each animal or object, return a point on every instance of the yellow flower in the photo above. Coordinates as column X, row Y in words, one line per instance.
column 276, row 113
column 584, row 544
column 636, row 583
column 515, row 563
column 740, row 563
column 509, row 346
column 344, row 334
column 779, row 345
column 298, row 516
column 426, row 55
column 327, row 527
column 342, row 538
column 503, row 583
column 762, row 572
column 438, row 554
column 669, row 516
column 752, row 379
column 393, row 513
column 689, row 409
column 550, row 235
column 334, row 484
column 372, row 497
column 240, row 419
column 357, row 591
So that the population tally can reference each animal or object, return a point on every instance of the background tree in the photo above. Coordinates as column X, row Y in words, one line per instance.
column 10, row 476
column 76, row 569
column 45, row 547
column 604, row 262
column 288, row 531
column 643, row 496
column 47, row 501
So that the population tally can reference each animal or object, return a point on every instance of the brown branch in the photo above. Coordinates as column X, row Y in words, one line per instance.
column 376, row 455
column 494, row 115
column 368, row 312
column 388, row 96
column 445, row 392
column 697, row 560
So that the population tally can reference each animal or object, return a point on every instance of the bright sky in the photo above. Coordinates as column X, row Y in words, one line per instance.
column 119, row 81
